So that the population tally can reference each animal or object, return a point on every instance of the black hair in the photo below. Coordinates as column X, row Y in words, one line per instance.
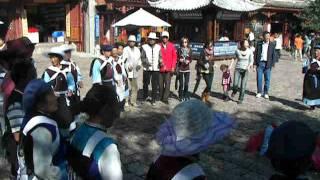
column 118, row 44
column 21, row 70
column 292, row 168
column 97, row 98
column 185, row 38
column 206, row 45
column 242, row 44
column 265, row 33
column 223, row 67
column 56, row 55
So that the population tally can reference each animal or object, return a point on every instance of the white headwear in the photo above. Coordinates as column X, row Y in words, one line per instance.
column 165, row 34
column 152, row 35
column 56, row 50
column 132, row 38
column 66, row 47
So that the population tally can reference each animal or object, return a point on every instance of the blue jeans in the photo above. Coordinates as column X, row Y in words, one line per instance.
column 266, row 72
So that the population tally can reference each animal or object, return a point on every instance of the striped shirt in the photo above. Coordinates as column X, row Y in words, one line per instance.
column 15, row 112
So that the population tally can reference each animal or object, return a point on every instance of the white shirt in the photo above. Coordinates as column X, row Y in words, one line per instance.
column 264, row 53
column 133, row 59
column 279, row 42
column 251, row 36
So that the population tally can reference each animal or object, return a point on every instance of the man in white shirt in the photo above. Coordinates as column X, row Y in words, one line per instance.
column 264, row 60
column 278, row 40
column 132, row 64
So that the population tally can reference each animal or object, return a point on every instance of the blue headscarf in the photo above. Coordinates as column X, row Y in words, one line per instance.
column 31, row 93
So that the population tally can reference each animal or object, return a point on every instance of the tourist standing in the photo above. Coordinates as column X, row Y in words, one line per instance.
column 151, row 60
column 314, row 42
column 226, row 81
column 133, row 64
column 101, row 69
column 298, row 42
column 92, row 154
column 244, row 63
column 311, row 88
column 168, row 66
column 264, row 61
column 206, row 65
column 278, row 39
column 42, row 145
column 191, row 129
column 184, row 55
column 307, row 45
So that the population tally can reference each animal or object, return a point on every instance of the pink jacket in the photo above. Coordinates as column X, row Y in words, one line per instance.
column 169, row 57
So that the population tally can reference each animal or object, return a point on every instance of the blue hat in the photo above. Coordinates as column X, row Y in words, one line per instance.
column 106, row 48
column 31, row 93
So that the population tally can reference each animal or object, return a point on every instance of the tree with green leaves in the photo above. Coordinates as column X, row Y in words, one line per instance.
column 311, row 16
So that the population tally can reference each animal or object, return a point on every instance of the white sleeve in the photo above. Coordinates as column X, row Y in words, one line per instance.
column 42, row 155
column 110, row 164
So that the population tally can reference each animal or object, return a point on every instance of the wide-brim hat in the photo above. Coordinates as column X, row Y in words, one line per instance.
column 292, row 140
column 132, row 38
column 153, row 35
column 191, row 128
column 56, row 51
column 66, row 48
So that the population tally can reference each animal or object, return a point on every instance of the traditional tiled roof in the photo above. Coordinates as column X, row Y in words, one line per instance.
column 238, row 5
column 178, row 4
column 295, row 4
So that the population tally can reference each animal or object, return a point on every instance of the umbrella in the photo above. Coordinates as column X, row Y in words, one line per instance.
column 178, row 4
column 141, row 18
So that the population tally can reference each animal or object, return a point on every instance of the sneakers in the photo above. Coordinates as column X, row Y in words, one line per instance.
column 266, row 96
column 258, row 95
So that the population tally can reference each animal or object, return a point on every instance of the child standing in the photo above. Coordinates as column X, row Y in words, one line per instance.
column 226, row 81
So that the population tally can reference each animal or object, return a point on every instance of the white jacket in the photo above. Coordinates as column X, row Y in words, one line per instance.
column 133, row 61
column 152, row 57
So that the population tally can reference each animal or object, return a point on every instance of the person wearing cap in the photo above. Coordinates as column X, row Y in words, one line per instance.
column 132, row 56
column 168, row 66
column 74, row 68
column 92, row 153
column 151, row 58
column 60, row 79
column 41, row 143
column 101, row 69
column 311, row 83
column 191, row 128
column 22, row 73
column 290, row 150
column 120, row 75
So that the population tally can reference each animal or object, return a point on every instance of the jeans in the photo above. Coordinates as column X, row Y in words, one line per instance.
column 262, row 71
column 240, row 82
column 134, row 90
column 208, row 78
column 184, row 84
column 165, row 81
column 154, row 77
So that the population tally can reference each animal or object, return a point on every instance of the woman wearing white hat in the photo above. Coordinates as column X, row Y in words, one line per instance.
column 151, row 61
column 191, row 128
column 133, row 64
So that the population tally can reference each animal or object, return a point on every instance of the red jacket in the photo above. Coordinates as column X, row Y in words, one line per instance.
column 169, row 57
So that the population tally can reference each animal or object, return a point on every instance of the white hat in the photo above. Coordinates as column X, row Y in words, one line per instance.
column 132, row 38
column 56, row 51
column 191, row 128
column 66, row 47
column 152, row 35
column 165, row 34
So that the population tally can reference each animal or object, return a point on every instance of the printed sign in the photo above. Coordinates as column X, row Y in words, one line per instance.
column 225, row 48
column 97, row 26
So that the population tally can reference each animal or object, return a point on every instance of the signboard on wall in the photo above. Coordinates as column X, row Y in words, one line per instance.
column 225, row 48
column 228, row 15
column 194, row 15
column 68, row 25
column 97, row 26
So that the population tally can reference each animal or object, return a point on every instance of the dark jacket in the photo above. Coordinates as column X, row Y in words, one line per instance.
column 205, row 58
column 271, row 58
column 184, row 66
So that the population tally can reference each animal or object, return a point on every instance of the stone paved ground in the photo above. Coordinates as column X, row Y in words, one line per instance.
column 225, row 160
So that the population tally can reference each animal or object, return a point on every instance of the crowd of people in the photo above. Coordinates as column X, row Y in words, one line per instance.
column 44, row 137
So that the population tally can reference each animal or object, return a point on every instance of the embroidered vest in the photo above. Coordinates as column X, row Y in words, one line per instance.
column 27, row 142
column 58, row 79
column 86, row 147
